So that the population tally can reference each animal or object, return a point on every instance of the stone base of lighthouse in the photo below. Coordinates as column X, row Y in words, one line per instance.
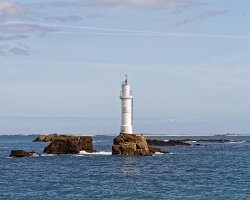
column 130, row 144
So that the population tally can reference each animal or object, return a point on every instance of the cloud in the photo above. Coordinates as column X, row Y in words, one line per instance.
column 19, row 31
column 39, row 11
column 62, row 19
column 52, row 11
column 10, row 9
column 6, row 50
column 21, row 50
column 11, row 28
column 160, row 35
column 12, row 37
column 93, row 30
column 55, row 4
column 152, row 4
column 184, row 19
column 12, row 12
column 18, row 21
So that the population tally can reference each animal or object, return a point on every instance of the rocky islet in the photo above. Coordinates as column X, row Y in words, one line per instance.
column 123, row 144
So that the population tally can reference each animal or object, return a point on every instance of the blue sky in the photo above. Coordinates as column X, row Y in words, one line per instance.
column 187, row 60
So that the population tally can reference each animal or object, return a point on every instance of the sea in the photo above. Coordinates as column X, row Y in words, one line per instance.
column 209, row 171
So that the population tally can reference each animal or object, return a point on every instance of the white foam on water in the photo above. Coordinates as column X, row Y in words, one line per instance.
column 232, row 142
column 45, row 154
column 158, row 153
column 166, row 140
column 96, row 153
column 96, row 141
column 180, row 153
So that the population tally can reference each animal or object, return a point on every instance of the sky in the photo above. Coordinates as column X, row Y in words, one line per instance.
column 187, row 60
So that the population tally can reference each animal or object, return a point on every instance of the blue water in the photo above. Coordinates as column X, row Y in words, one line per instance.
column 209, row 171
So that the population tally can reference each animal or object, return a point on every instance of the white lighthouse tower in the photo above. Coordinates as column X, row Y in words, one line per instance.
column 126, row 104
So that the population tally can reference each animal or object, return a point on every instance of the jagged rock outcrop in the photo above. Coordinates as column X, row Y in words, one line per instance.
column 211, row 140
column 167, row 143
column 50, row 137
column 70, row 144
column 21, row 153
column 130, row 144
column 185, row 142
column 156, row 150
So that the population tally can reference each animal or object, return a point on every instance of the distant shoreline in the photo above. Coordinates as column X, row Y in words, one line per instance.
column 195, row 135
column 145, row 134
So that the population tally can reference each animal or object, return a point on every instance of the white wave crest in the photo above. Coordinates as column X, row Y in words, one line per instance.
column 97, row 141
column 158, row 153
column 96, row 153
column 166, row 140
column 236, row 142
column 45, row 154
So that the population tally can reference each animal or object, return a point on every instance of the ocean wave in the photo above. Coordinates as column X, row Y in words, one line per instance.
column 232, row 142
column 180, row 153
column 45, row 154
column 166, row 140
column 97, row 141
column 158, row 153
column 96, row 153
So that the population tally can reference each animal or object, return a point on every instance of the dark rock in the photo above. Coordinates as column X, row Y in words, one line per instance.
column 186, row 142
column 70, row 144
column 156, row 150
column 21, row 153
column 219, row 141
column 128, row 148
column 211, row 140
column 167, row 143
column 50, row 138
column 116, row 149
column 130, row 144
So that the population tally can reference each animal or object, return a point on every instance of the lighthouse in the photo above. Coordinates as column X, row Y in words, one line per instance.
column 126, row 107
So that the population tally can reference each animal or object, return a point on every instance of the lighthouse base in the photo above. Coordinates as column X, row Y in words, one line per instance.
column 126, row 129
column 127, row 144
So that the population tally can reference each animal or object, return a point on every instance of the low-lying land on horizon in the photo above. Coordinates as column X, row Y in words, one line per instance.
column 145, row 134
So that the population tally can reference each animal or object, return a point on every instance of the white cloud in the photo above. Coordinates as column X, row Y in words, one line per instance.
column 24, row 28
column 6, row 50
column 12, row 37
column 10, row 9
column 184, row 19
column 132, row 32
column 18, row 31
column 170, row 4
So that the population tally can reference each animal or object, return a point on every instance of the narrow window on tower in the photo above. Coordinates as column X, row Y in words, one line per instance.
column 125, row 109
